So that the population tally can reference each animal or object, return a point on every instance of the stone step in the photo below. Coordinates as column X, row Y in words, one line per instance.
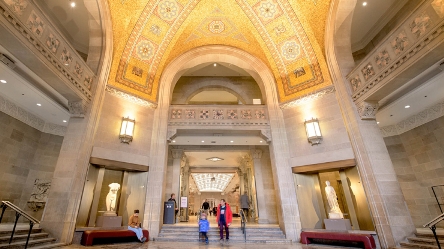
column 32, row 243
column 18, row 237
column 217, row 235
column 428, row 241
column 217, row 231
column 47, row 246
column 19, row 231
column 194, row 229
column 216, row 240
column 417, row 246
column 428, row 235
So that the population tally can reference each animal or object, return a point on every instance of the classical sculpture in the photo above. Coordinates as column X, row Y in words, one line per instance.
column 111, row 198
column 335, row 211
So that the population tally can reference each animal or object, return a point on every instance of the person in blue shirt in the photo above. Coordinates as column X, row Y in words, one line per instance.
column 204, row 226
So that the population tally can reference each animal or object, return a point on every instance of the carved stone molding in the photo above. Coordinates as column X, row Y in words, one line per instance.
column 177, row 153
column 367, row 110
column 429, row 114
column 312, row 96
column 171, row 134
column 266, row 134
column 410, row 38
column 130, row 98
column 256, row 154
column 40, row 34
column 77, row 108
column 30, row 119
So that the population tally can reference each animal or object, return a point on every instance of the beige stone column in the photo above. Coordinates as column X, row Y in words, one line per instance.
column 390, row 214
column 185, row 189
column 240, row 174
column 262, row 218
column 177, row 159
column 62, row 207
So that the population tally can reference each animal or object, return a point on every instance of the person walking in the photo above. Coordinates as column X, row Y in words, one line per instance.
column 206, row 206
column 134, row 225
column 224, row 219
column 245, row 204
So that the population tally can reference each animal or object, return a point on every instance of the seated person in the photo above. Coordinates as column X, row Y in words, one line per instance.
column 134, row 225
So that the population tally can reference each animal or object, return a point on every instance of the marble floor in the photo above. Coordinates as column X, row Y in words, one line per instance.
column 195, row 245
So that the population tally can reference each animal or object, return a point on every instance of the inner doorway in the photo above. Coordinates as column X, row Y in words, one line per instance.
column 314, row 206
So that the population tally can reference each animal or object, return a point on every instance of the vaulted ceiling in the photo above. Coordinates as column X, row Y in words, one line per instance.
column 286, row 35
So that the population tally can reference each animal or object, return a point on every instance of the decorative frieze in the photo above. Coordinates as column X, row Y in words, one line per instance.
column 217, row 115
column 30, row 119
column 412, row 36
column 414, row 121
column 39, row 33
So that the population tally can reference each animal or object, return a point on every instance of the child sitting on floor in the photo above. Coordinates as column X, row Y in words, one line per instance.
column 204, row 226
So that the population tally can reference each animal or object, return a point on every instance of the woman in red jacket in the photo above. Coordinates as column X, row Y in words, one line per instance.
column 224, row 219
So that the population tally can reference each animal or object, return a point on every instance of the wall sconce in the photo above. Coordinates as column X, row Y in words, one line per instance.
column 127, row 129
column 314, row 135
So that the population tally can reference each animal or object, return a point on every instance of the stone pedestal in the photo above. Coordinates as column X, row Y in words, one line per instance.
column 109, row 221
column 335, row 216
column 109, row 213
column 337, row 224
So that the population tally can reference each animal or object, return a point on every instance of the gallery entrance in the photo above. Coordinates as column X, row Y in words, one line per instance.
column 315, row 198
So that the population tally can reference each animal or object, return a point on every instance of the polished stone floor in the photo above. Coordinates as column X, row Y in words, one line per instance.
column 195, row 245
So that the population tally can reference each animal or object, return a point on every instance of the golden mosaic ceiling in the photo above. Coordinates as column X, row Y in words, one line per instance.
column 286, row 35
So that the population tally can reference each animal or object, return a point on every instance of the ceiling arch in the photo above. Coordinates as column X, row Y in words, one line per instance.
column 150, row 34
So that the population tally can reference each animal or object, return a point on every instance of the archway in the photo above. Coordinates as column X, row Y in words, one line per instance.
column 289, row 220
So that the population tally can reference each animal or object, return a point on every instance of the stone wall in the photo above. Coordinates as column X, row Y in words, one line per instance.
column 106, row 142
column 335, row 144
column 245, row 87
column 26, row 155
column 418, row 158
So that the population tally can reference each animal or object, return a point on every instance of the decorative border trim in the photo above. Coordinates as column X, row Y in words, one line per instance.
column 414, row 121
column 52, row 58
column 30, row 119
column 129, row 97
column 219, row 123
column 312, row 96
column 377, row 79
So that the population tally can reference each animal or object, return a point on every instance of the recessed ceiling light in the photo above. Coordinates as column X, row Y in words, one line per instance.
column 231, row 141
column 260, row 141
column 73, row 4
column 215, row 64
column 3, row 81
column 39, row 104
column 377, row 122
column 203, row 141
column 64, row 121
column 407, row 106
column 174, row 141
column 215, row 159
column 364, row 4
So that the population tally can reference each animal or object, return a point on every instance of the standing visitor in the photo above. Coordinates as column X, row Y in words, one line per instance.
column 224, row 219
column 204, row 226
column 173, row 198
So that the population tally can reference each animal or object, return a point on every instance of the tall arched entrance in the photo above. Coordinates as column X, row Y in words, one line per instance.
column 268, row 127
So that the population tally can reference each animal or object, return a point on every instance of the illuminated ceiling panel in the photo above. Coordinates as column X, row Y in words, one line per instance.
column 210, row 182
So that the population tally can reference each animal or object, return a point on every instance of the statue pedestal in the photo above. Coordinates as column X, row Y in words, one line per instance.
column 337, row 224
column 335, row 216
column 109, row 213
column 109, row 221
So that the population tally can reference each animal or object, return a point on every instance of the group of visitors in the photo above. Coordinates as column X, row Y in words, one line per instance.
column 224, row 218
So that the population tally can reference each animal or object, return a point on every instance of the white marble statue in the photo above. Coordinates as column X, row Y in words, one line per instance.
column 111, row 198
column 335, row 211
